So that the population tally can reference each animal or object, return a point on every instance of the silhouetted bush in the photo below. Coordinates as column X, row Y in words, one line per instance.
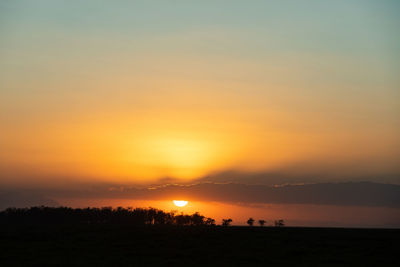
column 279, row 223
column 226, row 222
column 261, row 222
column 250, row 221
column 210, row 221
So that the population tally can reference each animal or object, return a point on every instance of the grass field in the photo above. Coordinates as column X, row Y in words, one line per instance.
column 114, row 245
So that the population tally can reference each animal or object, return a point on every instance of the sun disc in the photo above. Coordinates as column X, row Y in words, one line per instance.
column 180, row 203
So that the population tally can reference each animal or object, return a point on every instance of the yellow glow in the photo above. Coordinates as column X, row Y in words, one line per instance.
column 180, row 203
column 179, row 140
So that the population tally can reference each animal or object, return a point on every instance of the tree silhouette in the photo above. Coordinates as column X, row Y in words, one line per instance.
column 279, row 223
column 250, row 221
column 210, row 221
column 196, row 219
column 182, row 219
column 106, row 215
column 261, row 222
column 226, row 222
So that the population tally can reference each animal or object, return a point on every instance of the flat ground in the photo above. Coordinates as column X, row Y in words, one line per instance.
column 113, row 245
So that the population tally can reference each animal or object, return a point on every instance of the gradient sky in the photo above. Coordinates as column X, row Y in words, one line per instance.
column 134, row 91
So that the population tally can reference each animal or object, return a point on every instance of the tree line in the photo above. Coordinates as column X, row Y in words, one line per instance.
column 107, row 215
column 104, row 215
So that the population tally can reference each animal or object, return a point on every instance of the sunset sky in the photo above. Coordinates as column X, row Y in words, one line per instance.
column 141, row 92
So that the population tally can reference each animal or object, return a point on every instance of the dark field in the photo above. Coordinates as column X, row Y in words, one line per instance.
column 112, row 245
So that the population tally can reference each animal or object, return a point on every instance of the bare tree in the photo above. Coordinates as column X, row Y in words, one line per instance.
column 250, row 221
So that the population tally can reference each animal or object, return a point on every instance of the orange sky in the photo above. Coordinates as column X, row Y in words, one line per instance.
column 134, row 94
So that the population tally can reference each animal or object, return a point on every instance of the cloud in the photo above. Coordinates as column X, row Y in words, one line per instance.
column 22, row 200
column 229, row 187
column 358, row 194
column 295, row 173
column 341, row 194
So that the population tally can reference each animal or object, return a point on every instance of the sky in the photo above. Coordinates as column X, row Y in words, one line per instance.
column 151, row 92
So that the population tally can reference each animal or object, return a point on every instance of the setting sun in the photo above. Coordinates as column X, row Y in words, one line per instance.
column 180, row 203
